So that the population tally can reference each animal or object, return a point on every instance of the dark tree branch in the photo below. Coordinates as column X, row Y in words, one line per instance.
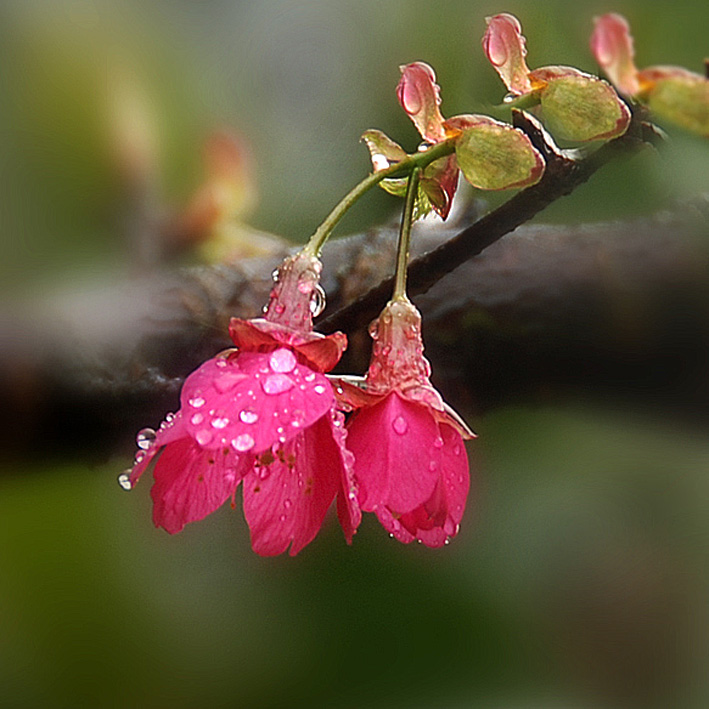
column 548, row 308
column 564, row 173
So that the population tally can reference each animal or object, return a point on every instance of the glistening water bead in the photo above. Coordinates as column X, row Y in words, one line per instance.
column 145, row 438
column 124, row 480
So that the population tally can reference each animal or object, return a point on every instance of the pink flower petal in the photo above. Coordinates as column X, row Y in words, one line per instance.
column 286, row 499
column 191, row 482
column 504, row 46
column 419, row 96
column 322, row 352
column 396, row 448
column 437, row 519
column 612, row 46
column 253, row 400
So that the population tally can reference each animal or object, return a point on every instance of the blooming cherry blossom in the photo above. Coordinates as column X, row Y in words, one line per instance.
column 262, row 413
column 410, row 459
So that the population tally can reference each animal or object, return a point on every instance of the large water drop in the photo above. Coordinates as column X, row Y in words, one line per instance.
column 276, row 384
column 124, row 481
column 282, row 360
column 248, row 416
column 145, row 438
column 243, row 443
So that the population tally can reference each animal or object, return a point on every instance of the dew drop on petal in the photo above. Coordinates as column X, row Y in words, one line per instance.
column 124, row 481
column 282, row 518
column 197, row 419
column 287, row 504
column 438, row 442
column 276, row 384
column 432, row 465
column 243, row 443
column 220, row 422
column 280, row 308
column 399, row 425
column 197, row 402
column 310, row 377
column 456, row 450
column 276, row 275
column 203, row 437
column 282, row 360
column 319, row 389
column 248, row 416
column 145, row 438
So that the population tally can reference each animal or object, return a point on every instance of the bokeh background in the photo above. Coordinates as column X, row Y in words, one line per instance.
column 581, row 573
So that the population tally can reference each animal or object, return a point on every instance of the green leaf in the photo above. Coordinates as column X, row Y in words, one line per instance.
column 496, row 156
column 580, row 107
column 684, row 100
column 382, row 149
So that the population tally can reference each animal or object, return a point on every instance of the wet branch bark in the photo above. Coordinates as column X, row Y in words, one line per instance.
column 544, row 311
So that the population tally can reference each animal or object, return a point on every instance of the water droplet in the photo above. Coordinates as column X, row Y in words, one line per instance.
column 276, row 384
column 287, row 504
column 197, row 419
column 279, row 308
column 203, row 437
column 456, row 450
column 432, row 465
column 319, row 389
column 374, row 329
column 282, row 518
column 438, row 442
column 139, row 457
column 282, row 360
column 447, row 542
column 145, row 438
column 169, row 418
column 124, row 480
column 197, row 402
column 317, row 301
column 248, row 416
column 310, row 377
column 276, row 275
column 221, row 363
column 243, row 443
column 399, row 425
column 220, row 422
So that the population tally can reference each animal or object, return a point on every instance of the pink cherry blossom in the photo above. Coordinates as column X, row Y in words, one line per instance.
column 263, row 413
column 410, row 460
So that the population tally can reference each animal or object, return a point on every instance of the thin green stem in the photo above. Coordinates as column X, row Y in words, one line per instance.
column 407, row 218
column 399, row 169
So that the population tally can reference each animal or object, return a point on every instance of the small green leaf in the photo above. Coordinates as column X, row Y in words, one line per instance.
column 580, row 107
column 684, row 100
column 496, row 156
column 395, row 185
column 382, row 149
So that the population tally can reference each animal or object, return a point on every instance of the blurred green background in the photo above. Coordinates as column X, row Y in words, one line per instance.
column 580, row 576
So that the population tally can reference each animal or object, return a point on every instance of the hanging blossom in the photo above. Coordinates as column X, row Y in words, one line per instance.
column 263, row 415
column 410, row 459
column 575, row 106
column 492, row 155
column 672, row 92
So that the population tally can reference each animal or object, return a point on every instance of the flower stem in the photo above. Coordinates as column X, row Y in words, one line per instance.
column 404, row 167
column 407, row 218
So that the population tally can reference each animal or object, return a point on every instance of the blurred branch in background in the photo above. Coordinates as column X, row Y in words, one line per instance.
column 620, row 306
